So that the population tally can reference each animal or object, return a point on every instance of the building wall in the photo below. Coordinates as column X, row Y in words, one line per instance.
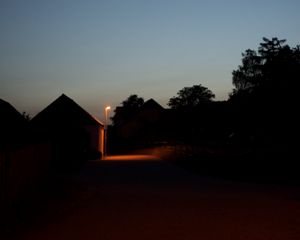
column 96, row 135
column 101, row 139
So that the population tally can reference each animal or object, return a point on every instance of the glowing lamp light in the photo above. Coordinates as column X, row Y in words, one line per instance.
column 105, row 131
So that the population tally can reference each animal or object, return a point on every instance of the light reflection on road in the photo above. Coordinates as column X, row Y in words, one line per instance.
column 130, row 157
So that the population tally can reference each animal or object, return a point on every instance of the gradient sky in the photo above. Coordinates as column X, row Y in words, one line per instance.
column 99, row 52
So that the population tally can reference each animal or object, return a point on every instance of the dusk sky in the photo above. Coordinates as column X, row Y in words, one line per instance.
column 98, row 52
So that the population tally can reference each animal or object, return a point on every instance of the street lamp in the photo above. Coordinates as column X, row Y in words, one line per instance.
column 105, row 131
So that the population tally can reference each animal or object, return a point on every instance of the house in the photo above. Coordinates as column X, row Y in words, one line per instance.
column 12, row 124
column 74, row 134
column 151, row 124
column 138, row 126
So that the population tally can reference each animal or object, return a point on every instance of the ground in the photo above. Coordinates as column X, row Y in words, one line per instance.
column 142, row 197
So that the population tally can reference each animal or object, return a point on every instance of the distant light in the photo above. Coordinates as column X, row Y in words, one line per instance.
column 107, row 108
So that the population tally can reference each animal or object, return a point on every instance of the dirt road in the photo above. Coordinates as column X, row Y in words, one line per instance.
column 152, row 199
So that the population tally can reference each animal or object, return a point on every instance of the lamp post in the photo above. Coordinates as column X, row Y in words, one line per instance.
column 105, row 132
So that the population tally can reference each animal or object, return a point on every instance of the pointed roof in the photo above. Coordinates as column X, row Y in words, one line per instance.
column 9, row 115
column 64, row 111
column 12, row 125
column 152, row 104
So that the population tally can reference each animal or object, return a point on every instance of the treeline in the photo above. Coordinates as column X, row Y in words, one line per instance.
column 257, row 125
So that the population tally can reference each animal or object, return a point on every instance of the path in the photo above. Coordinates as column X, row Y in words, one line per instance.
column 152, row 199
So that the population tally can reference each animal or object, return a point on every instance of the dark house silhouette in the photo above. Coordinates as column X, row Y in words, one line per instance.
column 12, row 124
column 137, row 127
column 208, row 123
column 74, row 134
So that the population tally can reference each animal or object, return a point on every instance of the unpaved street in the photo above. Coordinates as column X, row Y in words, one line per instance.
column 121, row 198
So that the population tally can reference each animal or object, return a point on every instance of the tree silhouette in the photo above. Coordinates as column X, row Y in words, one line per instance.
column 26, row 116
column 265, row 96
column 191, row 97
column 133, row 101
column 128, row 108
column 271, row 72
column 249, row 75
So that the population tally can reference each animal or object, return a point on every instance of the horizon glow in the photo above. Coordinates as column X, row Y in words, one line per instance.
column 100, row 52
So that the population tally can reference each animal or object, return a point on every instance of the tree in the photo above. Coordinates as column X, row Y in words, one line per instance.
column 26, row 116
column 129, row 107
column 266, row 90
column 191, row 97
column 271, row 72
column 133, row 101
column 248, row 75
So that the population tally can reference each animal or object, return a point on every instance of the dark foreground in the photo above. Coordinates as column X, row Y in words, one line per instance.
column 152, row 199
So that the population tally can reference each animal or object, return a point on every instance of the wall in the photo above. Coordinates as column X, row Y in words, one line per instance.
column 96, row 137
